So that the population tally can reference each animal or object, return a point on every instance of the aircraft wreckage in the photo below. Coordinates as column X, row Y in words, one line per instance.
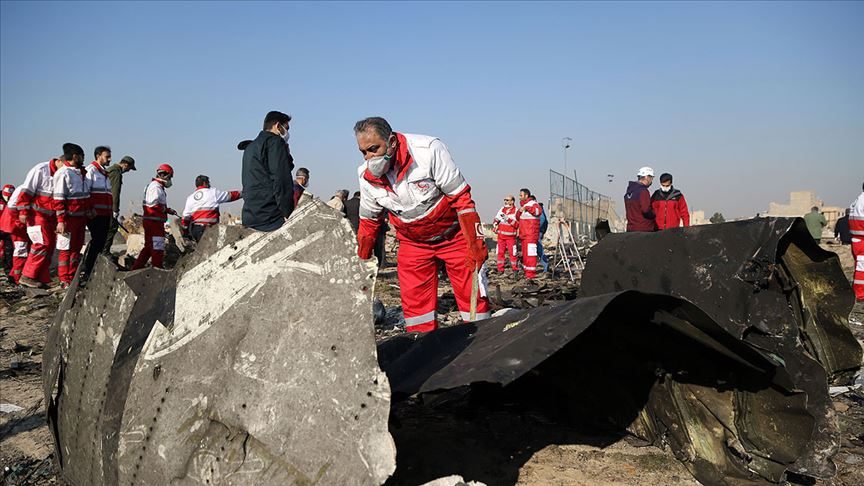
column 254, row 361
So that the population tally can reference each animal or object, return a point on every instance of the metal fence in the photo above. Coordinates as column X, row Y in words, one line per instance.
column 573, row 202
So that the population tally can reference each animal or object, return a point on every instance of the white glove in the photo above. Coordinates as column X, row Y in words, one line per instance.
column 116, row 215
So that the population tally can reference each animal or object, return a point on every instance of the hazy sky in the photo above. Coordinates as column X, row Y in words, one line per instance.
column 742, row 102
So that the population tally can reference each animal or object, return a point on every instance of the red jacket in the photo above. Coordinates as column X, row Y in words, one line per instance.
column 37, row 191
column 670, row 209
column 155, row 202
column 425, row 196
column 506, row 222
column 71, row 194
column 637, row 203
column 529, row 220
column 101, row 198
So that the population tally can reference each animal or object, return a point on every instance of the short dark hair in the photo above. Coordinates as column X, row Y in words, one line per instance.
column 376, row 124
column 356, row 193
column 201, row 180
column 814, row 208
column 99, row 150
column 665, row 177
column 303, row 171
column 70, row 149
column 275, row 117
column 525, row 190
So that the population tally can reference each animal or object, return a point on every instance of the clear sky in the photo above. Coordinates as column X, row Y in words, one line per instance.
column 741, row 101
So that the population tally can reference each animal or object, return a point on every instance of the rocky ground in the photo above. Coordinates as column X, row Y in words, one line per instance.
column 524, row 454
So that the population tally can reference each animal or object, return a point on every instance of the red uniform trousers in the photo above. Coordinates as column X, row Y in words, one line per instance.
column 154, row 245
column 38, row 265
column 529, row 254
column 418, row 281
column 20, row 250
column 507, row 246
column 858, row 278
column 67, row 259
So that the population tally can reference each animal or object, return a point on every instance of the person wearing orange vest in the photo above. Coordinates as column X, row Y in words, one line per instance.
column 156, row 213
column 36, row 210
column 856, row 229
column 414, row 179
column 506, row 226
column 12, row 226
column 72, row 206
column 102, row 203
column 202, row 207
column 6, row 245
column 529, row 231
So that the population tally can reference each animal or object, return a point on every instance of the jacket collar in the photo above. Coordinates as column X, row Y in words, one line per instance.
column 160, row 181
column 99, row 167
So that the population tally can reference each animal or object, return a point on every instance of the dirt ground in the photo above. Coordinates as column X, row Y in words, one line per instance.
column 530, row 453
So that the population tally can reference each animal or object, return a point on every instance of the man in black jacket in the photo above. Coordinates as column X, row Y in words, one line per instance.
column 268, row 188
column 841, row 229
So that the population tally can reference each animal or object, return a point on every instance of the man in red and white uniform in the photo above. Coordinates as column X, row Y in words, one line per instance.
column 6, row 244
column 414, row 178
column 12, row 225
column 72, row 206
column 856, row 229
column 36, row 211
column 506, row 225
column 202, row 207
column 529, row 231
column 102, row 204
column 156, row 212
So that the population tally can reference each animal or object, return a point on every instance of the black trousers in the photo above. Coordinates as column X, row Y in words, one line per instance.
column 113, row 226
column 98, row 227
column 197, row 231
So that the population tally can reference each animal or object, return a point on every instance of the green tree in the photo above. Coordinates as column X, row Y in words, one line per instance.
column 717, row 218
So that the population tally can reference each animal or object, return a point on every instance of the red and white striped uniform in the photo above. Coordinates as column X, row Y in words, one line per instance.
column 155, row 215
column 10, row 224
column 70, row 192
column 101, row 199
column 202, row 206
column 425, row 193
column 529, row 233
column 155, row 202
column 507, row 224
column 37, row 191
column 36, row 202
column 856, row 228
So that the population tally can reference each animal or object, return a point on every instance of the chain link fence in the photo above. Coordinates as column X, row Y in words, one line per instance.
column 573, row 202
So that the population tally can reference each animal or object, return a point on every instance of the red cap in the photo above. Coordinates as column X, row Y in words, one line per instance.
column 165, row 168
column 8, row 189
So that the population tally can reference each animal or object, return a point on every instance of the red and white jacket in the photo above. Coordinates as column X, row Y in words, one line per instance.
column 101, row 199
column 506, row 222
column 9, row 218
column 202, row 206
column 37, row 191
column 155, row 202
column 423, row 191
column 529, row 220
column 856, row 218
column 71, row 197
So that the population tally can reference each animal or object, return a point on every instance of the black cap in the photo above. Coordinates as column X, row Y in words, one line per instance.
column 129, row 160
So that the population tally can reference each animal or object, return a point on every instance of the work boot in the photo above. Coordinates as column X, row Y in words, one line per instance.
column 29, row 282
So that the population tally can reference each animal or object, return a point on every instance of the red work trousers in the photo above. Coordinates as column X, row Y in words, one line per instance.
column 154, row 245
column 20, row 250
column 418, row 281
column 529, row 254
column 68, row 257
column 38, row 265
column 858, row 278
column 507, row 246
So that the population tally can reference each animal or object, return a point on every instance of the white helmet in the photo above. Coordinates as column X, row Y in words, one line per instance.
column 645, row 172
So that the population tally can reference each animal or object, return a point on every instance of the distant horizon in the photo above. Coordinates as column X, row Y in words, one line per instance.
column 742, row 102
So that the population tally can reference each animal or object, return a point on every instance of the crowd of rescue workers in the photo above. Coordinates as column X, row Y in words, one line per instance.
column 407, row 180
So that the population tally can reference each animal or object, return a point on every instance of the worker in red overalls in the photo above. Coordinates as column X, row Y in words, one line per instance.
column 414, row 179
column 156, row 213
column 506, row 226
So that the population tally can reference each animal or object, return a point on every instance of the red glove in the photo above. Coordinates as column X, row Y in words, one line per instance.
column 471, row 228
column 365, row 245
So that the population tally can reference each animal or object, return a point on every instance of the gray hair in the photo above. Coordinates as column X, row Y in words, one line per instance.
column 375, row 123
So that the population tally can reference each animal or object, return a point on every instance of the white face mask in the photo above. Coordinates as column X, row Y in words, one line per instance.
column 378, row 166
column 286, row 136
column 665, row 189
